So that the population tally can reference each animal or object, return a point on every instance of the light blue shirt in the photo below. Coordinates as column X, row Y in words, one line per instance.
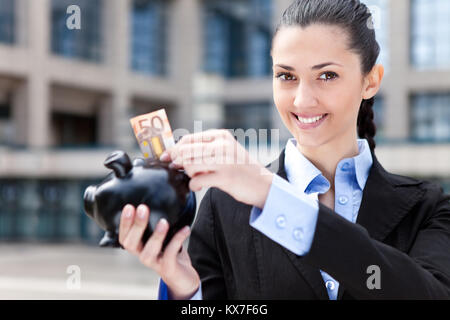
column 290, row 213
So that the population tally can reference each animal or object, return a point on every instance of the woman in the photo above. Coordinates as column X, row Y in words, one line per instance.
column 325, row 220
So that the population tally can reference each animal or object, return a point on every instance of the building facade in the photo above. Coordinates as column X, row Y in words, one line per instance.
column 66, row 94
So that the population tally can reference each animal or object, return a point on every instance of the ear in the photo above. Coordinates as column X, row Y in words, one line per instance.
column 372, row 82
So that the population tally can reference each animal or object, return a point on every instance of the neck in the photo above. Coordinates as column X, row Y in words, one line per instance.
column 327, row 156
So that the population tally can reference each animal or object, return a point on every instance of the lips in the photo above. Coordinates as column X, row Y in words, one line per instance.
column 309, row 122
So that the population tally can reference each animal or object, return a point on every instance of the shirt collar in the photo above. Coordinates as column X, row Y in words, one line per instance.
column 363, row 162
column 306, row 177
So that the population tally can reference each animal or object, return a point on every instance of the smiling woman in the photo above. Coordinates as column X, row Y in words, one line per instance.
column 318, row 221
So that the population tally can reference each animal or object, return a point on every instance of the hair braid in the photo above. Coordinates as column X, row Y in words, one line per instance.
column 366, row 126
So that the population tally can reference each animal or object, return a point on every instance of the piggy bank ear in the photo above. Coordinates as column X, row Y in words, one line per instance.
column 119, row 162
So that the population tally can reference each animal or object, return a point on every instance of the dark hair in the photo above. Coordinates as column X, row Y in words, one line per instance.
column 355, row 18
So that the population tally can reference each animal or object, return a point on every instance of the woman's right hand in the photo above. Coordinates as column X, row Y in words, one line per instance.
column 173, row 266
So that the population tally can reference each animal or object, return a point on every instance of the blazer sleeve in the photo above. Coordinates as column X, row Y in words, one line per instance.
column 203, row 251
column 423, row 273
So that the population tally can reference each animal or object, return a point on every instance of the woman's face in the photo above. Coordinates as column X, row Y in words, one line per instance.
column 317, row 102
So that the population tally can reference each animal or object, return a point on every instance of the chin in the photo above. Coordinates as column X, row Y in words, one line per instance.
column 309, row 142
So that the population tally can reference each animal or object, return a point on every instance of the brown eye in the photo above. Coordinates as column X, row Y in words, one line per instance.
column 328, row 76
column 285, row 76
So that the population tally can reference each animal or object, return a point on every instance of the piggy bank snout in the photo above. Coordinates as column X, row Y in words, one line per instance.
column 89, row 200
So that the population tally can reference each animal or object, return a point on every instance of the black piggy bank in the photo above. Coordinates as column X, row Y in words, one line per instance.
column 164, row 190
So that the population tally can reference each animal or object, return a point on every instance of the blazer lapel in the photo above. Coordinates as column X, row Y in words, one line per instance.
column 387, row 198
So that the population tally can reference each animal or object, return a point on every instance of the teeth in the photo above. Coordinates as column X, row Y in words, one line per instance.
column 310, row 120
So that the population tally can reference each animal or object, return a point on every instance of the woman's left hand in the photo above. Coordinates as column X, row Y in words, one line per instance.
column 213, row 158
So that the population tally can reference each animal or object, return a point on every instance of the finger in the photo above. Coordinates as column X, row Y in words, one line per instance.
column 204, row 136
column 202, row 152
column 132, row 241
column 193, row 170
column 150, row 253
column 175, row 166
column 126, row 221
column 172, row 249
column 204, row 180
column 165, row 156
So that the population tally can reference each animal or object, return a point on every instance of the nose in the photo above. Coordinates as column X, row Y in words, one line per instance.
column 89, row 200
column 304, row 96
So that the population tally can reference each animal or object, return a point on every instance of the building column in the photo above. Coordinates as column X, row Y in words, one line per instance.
column 397, row 110
column 21, row 14
column 207, row 102
column 116, row 52
column 38, row 101
column 185, row 51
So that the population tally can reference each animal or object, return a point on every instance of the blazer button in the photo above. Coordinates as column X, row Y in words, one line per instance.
column 281, row 221
column 298, row 234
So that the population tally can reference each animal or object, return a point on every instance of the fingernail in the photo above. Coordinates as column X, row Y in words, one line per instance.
column 172, row 165
column 141, row 212
column 186, row 229
column 161, row 225
column 164, row 156
column 128, row 211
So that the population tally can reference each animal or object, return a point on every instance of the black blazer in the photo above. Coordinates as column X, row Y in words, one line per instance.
column 403, row 226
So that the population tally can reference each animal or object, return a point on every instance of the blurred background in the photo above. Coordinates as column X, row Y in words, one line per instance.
column 66, row 97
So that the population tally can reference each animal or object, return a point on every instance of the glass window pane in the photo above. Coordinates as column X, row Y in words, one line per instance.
column 430, row 34
column 7, row 21
column 431, row 117
column 380, row 13
column 85, row 43
column 148, row 36
column 237, row 37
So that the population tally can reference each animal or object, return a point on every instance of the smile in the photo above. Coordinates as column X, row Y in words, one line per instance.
column 310, row 120
column 310, row 123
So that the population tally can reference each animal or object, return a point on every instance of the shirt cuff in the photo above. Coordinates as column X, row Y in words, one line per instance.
column 289, row 217
column 164, row 294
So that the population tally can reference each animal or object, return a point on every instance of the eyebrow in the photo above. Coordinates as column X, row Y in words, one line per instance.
column 316, row 67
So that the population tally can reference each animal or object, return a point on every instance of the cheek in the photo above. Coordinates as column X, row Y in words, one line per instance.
column 345, row 110
column 282, row 100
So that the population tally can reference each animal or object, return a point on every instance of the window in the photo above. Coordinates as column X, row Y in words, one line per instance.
column 430, row 34
column 5, row 111
column 7, row 21
column 431, row 117
column 86, row 43
column 237, row 37
column 7, row 135
column 253, row 116
column 148, row 38
column 74, row 130
column 380, row 14
column 53, row 210
column 378, row 110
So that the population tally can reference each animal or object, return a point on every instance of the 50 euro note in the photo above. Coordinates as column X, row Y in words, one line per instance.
column 153, row 133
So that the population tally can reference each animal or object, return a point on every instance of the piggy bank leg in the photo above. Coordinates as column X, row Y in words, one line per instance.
column 110, row 239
